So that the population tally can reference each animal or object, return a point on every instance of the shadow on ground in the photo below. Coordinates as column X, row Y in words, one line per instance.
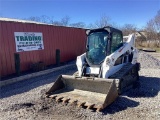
column 29, row 84
column 149, row 87
column 120, row 104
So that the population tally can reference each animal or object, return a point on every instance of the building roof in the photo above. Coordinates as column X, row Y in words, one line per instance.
column 141, row 33
column 29, row 21
column 18, row 20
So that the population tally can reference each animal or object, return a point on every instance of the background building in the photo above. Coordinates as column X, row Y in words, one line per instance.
column 70, row 41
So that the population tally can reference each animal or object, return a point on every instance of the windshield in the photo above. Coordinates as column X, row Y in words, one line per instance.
column 97, row 47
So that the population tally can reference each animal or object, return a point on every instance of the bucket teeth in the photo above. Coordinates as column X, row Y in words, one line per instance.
column 81, row 104
column 53, row 96
column 99, row 109
column 47, row 95
column 90, row 106
column 84, row 92
column 73, row 101
column 65, row 100
column 58, row 99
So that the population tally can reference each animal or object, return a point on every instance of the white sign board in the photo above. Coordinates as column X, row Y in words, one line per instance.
column 28, row 41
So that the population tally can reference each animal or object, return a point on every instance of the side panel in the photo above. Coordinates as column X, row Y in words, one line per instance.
column 70, row 41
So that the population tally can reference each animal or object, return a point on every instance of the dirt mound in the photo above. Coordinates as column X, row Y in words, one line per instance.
column 45, row 108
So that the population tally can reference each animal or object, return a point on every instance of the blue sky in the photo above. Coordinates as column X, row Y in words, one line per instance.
column 121, row 12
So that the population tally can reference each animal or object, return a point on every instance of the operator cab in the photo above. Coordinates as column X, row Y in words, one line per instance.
column 97, row 47
column 101, row 43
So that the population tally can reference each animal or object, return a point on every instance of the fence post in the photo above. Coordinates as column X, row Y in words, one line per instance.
column 17, row 63
column 57, row 57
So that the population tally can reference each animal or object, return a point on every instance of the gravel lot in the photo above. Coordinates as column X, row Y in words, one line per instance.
column 154, row 54
column 25, row 99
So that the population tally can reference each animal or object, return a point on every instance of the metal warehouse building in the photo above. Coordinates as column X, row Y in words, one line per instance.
column 37, row 42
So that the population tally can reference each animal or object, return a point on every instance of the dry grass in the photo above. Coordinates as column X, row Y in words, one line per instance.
column 157, row 50
column 148, row 45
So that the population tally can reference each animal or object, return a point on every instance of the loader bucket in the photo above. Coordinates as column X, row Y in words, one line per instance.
column 94, row 93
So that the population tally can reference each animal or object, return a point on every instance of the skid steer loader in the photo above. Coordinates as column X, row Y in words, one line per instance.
column 108, row 68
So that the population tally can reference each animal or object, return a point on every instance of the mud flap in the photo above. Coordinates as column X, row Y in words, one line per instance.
column 95, row 93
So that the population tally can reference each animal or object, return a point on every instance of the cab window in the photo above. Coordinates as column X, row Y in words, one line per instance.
column 117, row 41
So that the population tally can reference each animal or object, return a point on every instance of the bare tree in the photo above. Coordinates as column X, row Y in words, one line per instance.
column 34, row 18
column 128, row 29
column 45, row 19
column 153, row 27
column 90, row 26
column 151, row 30
column 65, row 21
column 49, row 20
column 157, row 21
column 57, row 23
column 157, row 24
column 78, row 25
column 102, row 22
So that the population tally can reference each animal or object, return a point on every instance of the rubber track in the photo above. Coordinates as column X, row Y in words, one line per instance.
column 123, row 71
column 118, row 76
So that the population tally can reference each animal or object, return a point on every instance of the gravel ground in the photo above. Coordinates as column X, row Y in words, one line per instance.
column 25, row 99
column 148, row 61
column 154, row 54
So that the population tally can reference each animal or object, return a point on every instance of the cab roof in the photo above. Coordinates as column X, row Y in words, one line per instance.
column 107, row 28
